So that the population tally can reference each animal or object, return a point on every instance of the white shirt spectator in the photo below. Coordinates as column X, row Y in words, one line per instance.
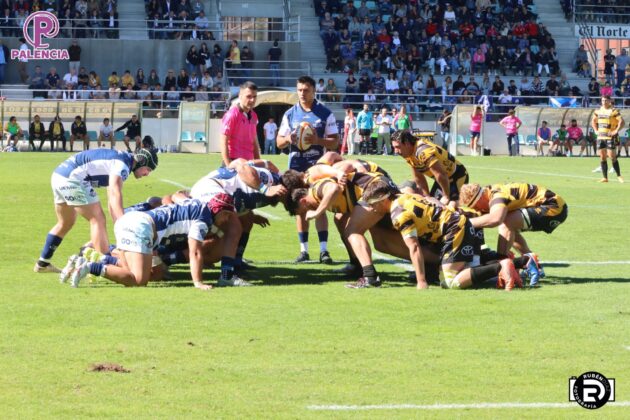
column 106, row 130
column 270, row 130
column 384, row 123
column 69, row 78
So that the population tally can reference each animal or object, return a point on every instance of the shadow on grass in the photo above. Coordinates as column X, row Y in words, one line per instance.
column 557, row 281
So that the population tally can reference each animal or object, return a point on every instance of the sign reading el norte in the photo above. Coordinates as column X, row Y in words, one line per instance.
column 37, row 26
column 603, row 31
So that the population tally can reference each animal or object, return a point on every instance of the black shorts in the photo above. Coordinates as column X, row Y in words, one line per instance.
column 459, row 243
column 365, row 132
column 456, row 181
column 544, row 218
column 610, row 144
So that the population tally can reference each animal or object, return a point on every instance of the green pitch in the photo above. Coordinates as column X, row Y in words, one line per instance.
column 300, row 339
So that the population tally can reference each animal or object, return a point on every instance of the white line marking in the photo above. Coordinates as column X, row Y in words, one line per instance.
column 454, row 406
column 267, row 215
column 532, row 173
column 393, row 261
column 587, row 262
column 626, row 347
column 177, row 184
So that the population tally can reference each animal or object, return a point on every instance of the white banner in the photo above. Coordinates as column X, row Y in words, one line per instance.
column 603, row 31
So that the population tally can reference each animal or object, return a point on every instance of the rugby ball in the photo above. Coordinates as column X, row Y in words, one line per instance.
column 304, row 130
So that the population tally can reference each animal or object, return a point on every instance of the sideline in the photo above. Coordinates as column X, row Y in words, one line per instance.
column 455, row 406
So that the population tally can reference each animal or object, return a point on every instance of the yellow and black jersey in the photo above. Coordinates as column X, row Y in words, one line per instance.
column 520, row 196
column 428, row 154
column 607, row 120
column 372, row 167
column 356, row 183
column 414, row 216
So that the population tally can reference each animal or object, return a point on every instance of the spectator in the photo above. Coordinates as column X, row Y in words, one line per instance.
column 134, row 131
column 36, row 132
column 564, row 88
column 56, row 133
column 202, row 25
column 350, row 130
column 202, row 94
column 94, row 80
column 127, row 79
column 476, row 119
column 38, row 82
column 74, row 53
column 106, row 133
column 182, row 80
column 543, row 137
column 273, row 55
column 444, row 123
column 205, row 61
column 575, row 137
column 206, row 81
column 70, row 80
column 170, row 80
column 247, row 62
column 580, row 58
column 391, row 84
column 78, row 131
column 22, row 62
column 606, row 90
column 552, row 86
column 331, row 91
column 271, row 129
column 384, row 123
column 113, row 79
column 497, row 86
column 111, row 23
column 173, row 98
column 365, row 123
column 235, row 60
column 139, row 79
column 95, row 23
column 192, row 59
column 609, row 62
column 622, row 61
column 153, row 80
column 114, row 91
column 512, row 123
column 98, row 93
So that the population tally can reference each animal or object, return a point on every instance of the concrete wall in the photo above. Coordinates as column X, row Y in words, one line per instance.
column 253, row 8
column 105, row 56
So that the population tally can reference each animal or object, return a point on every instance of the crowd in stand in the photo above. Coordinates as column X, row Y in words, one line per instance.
column 201, row 80
column 182, row 19
column 77, row 18
column 597, row 11
column 397, row 47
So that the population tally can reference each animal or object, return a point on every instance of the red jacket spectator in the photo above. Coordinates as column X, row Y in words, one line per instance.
column 531, row 28
column 492, row 32
column 431, row 29
column 466, row 28
column 383, row 37
column 519, row 29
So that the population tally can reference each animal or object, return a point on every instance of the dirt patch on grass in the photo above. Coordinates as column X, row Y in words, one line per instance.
column 108, row 367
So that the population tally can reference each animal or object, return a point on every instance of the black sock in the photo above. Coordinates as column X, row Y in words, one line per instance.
column 520, row 262
column 484, row 272
column 616, row 167
column 432, row 273
column 369, row 272
column 604, row 165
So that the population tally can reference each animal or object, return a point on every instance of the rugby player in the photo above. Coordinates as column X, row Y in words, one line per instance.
column 352, row 218
column 607, row 121
column 515, row 208
column 138, row 233
column 325, row 137
column 421, row 219
column 73, row 184
column 429, row 160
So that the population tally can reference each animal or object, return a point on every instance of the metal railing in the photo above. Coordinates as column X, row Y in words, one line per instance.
column 260, row 72
column 87, row 28
column 601, row 13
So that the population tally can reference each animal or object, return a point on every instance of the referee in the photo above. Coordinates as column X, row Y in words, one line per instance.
column 607, row 121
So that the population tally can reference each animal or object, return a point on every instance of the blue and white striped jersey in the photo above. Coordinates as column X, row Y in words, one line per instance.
column 190, row 219
column 96, row 166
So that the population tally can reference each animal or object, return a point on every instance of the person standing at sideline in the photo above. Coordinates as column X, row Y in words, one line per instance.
column 384, row 123
column 325, row 137
column 238, row 134
column 512, row 123
column 476, row 119
column 606, row 122
column 350, row 131
column 23, row 61
column 444, row 122
column 365, row 123
column 270, row 129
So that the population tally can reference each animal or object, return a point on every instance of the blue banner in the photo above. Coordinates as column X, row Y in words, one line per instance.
column 563, row 102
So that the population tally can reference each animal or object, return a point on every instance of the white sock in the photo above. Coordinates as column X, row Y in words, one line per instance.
column 303, row 246
column 323, row 246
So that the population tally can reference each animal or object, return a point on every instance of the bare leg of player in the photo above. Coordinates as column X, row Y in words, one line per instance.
column 98, row 230
column 359, row 222
column 507, row 231
column 136, row 272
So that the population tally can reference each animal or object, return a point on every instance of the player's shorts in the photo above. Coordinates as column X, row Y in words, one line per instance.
column 623, row 140
column 458, row 244
column 610, row 144
column 73, row 192
column 135, row 232
column 475, row 133
column 365, row 132
column 456, row 182
column 545, row 218
column 205, row 191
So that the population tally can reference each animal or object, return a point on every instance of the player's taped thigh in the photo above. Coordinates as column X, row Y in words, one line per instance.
column 527, row 223
column 450, row 281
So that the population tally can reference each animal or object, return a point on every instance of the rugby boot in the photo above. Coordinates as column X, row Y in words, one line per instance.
column 66, row 272
column 508, row 276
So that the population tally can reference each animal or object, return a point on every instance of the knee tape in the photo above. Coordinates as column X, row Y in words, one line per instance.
column 450, row 281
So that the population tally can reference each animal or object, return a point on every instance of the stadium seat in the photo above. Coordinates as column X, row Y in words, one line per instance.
column 186, row 136
column 531, row 140
column 200, row 136
column 521, row 139
column 386, row 18
column 371, row 5
column 92, row 135
column 119, row 135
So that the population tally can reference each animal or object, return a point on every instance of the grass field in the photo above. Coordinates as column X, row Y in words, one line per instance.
column 301, row 339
